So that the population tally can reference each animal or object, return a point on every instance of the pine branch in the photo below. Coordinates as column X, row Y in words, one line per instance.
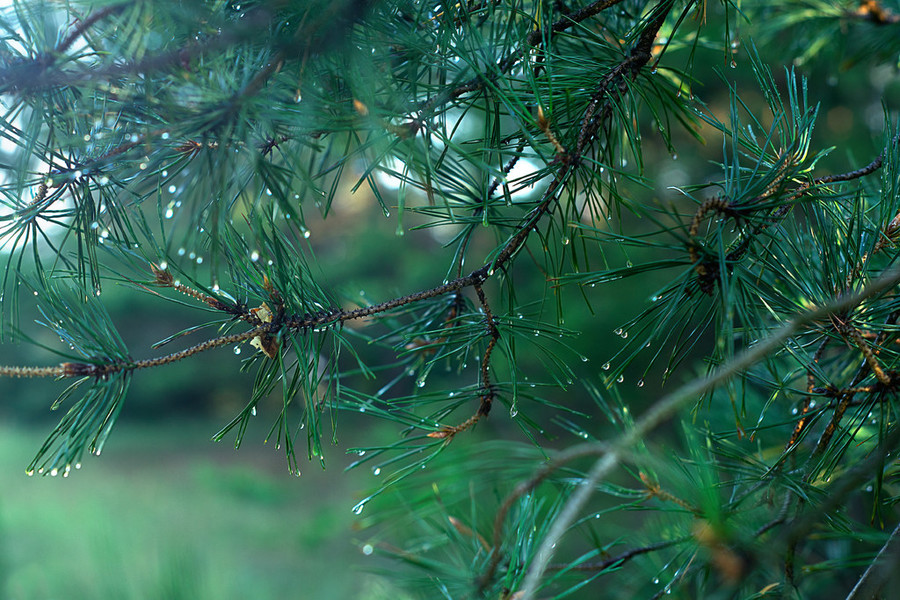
column 533, row 40
column 667, row 407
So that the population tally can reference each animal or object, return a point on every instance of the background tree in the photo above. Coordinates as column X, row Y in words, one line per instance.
column 191, row 150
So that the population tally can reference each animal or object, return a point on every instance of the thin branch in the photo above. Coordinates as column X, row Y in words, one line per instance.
column 620, row 559
column 880, row 569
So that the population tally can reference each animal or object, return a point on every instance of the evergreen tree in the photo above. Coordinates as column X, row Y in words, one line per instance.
column 741, row 439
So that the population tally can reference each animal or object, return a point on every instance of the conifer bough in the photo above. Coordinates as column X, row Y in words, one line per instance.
column 182, row 149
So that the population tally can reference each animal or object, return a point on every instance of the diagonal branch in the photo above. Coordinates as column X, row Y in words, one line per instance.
column 668, row 407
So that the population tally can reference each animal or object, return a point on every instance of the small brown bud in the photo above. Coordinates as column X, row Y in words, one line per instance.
column 542, row 120
column 72, row 369
column 163, row 277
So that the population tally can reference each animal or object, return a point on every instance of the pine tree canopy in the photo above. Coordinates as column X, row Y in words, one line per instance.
column 718, row 180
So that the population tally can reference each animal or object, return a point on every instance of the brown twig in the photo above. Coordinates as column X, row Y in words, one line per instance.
column 654, row 490
column 847, row 330
column 741, row 248
column 487, row 390
column 618, row 560
column 810, row 386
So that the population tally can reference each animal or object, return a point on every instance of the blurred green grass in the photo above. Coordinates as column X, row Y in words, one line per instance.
column 165, row 514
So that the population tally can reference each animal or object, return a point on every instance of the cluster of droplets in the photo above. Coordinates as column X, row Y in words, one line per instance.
column 55, row 470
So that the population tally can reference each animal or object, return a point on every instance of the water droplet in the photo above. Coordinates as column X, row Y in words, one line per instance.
column 173, row 189
column 606, row 366
column 620, row 379
column 618, row 331
column 536, row 333
column 420, row 382
column 78, row 465
column 253, row 411
column 640, row 383
column 306, row 233
column 656, row 581
column 376, row 471
column 181, row 251
column 565, row 241
column 653, row 71
column 237, row 349
column 368, row 549
column 170, row 213
column 584, row 359
column 674, row 156
column 794, row 411
column 513, row 412
column 733, row 64
column 254, row 256
column 359, row 508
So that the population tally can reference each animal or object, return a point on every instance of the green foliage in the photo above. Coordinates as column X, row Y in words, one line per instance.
column 207, row 153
